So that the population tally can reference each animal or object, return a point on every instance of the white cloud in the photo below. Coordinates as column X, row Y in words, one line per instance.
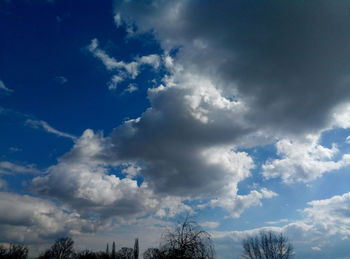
column 82, row 180
column 152, row 60
column 330, row 216
column 341, row 116
column 277, row 222
column 4, row 88
column 171, row 206
column 237, row 204
column 124, row 70
column 117, row 20
column 115, row 80
column 109, row 62
column 303, row 160
column 44, row 125
column 131, row 88
column 316, row 248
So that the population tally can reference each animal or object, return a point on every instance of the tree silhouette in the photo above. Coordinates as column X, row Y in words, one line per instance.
column 14, row 252
column 113, row 254
column 136, row 249
column 61, row 249
column 125, row 253
column 152, row 253
column 267, row 245
column 86, row 254
column 188, row 240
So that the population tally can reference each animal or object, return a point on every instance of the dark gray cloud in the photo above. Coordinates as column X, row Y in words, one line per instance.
column 289, row 60
column 179, row 138
column 26, row 218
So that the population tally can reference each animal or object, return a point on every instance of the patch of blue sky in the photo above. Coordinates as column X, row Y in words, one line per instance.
column 35, row 145
column 259, row 155
column 120, row 171
column 18, row 183
column 336, row 136
column 67, row 56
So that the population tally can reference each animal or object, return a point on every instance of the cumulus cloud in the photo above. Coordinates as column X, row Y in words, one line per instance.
column 83, row 180
column 303, row 160
column 236, row 82
column 186, row 145
column 44, row 125
column 183, row 139
column 322, row 220
column 247, row 74
column 99, row 175
column 26, row 218
column 330, row 216
column 237, row 204
column 289, row 71
column 244, row 77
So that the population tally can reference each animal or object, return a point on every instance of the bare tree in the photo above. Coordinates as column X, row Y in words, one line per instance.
column 14, row 252
column 188, row 240
column 61, row 249
column 267, row 245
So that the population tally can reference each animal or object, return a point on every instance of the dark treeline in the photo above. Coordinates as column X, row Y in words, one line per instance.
column 186, row 241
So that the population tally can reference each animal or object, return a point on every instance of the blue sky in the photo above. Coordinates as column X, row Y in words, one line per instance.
column 119, row 117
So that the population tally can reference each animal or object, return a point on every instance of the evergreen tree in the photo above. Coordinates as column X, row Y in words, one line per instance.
column 136, row 249
column 113, row 255
column 107, row 250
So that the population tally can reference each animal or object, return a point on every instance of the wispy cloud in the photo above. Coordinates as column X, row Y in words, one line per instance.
column 61, row 80
column 277, row 222
column 4, row 88
column 14, row 149
column 9, row 168
column 115, row 80
column 210, row 224
column 124, row 70
column 44, row 125
column 131, row 88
